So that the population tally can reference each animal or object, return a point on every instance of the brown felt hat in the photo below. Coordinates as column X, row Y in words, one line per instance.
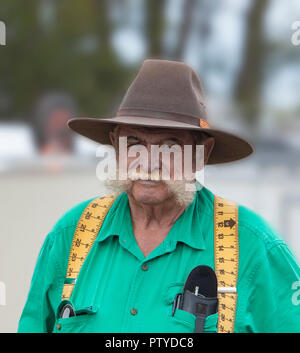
column 165, row 94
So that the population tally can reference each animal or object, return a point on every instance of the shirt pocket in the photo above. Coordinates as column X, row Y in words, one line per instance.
column 84, row 321
column 211, row 323
column 183, row 321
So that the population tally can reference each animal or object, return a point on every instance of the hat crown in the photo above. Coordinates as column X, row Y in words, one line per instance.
column 167, row 87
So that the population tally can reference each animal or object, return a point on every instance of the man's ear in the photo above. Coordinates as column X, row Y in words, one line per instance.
column 112, row 138
column 208, row 147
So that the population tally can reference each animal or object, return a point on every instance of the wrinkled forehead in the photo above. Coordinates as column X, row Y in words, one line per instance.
column 149, row 133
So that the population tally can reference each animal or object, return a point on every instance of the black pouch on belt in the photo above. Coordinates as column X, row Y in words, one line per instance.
column 199, row 296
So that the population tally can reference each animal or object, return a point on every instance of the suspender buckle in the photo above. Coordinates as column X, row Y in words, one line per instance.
column 227, row 289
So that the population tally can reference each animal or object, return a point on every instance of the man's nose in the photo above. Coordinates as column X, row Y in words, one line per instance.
column 154, row 159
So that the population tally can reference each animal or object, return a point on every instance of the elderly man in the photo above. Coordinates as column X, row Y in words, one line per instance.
column 122, row 263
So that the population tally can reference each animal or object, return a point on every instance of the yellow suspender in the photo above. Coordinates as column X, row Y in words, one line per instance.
column 226, row 261
column 226, row 252
column 85, row 234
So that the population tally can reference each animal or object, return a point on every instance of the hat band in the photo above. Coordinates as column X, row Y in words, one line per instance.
column 156, row 114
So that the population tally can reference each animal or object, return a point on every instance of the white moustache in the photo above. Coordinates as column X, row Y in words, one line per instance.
column 134, row 175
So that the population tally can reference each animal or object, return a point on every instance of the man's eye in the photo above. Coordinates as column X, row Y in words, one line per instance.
column 133, row 143
column 170, row 143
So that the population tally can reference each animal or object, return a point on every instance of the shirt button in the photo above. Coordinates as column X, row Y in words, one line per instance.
column 58, row 327
column 145, row 267
column 133, row 311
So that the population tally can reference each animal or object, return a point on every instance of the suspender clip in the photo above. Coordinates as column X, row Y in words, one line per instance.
column 227, row 289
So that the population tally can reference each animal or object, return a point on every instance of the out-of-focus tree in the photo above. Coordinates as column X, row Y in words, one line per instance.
column 250, row 78
column 58, row 45
column 155, row 26
column 184, row 30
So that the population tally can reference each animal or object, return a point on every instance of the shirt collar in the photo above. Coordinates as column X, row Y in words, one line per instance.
column 187, row 229
column 117, row 221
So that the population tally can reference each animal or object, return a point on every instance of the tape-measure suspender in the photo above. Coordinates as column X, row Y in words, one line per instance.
column 85, row 234
column 226, row 261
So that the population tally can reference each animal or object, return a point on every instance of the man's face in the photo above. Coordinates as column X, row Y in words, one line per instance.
column 152, row 165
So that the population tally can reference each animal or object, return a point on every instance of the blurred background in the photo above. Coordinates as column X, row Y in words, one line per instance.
column 77, row 58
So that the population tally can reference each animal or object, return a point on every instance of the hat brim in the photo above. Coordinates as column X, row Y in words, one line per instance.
column 227, row 148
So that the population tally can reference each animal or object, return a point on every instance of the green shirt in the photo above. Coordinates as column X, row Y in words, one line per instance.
column 121, row 290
